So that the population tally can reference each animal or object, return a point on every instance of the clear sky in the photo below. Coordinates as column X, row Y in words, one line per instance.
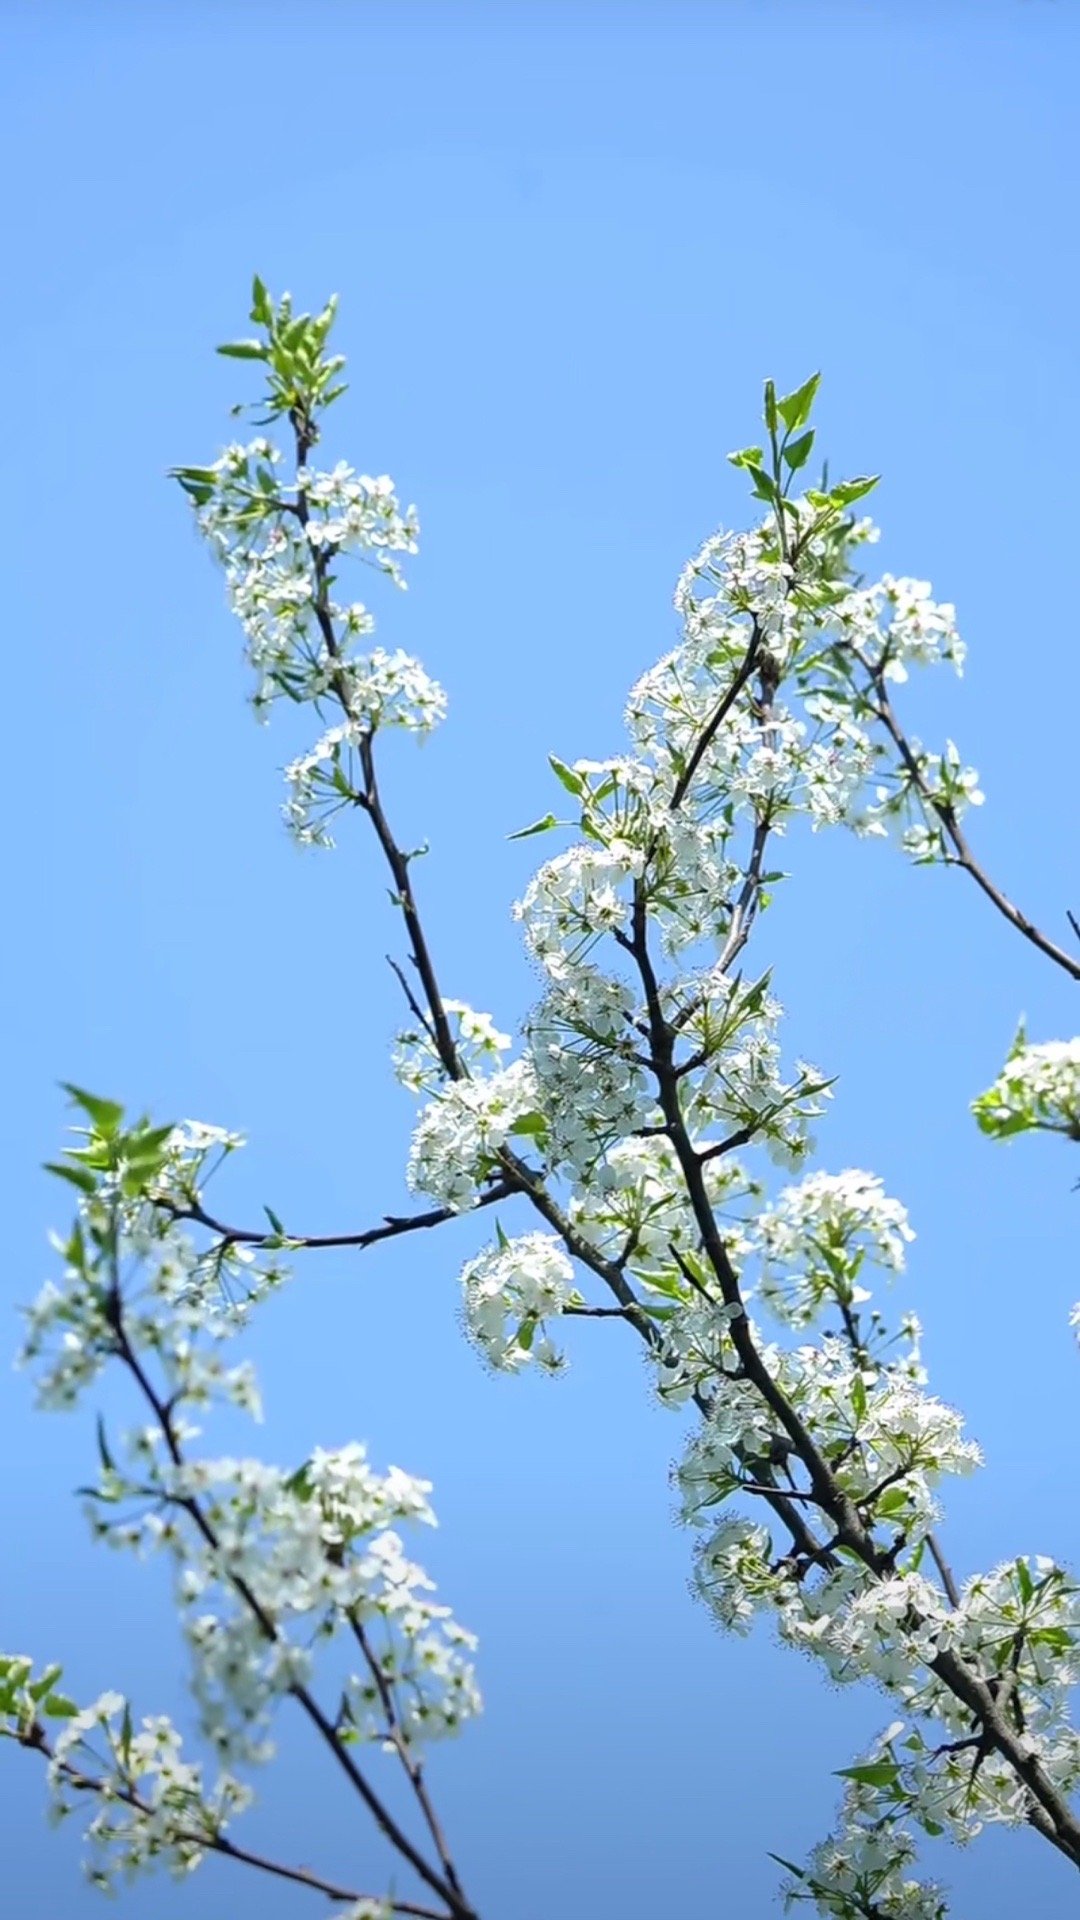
column 570, row 241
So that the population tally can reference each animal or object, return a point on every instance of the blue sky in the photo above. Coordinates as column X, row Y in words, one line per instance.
column 570, row 242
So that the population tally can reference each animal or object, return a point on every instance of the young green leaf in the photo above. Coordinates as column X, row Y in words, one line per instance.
column 244, row 350
column 797, row 452
column 538, row 826
column 573, row 782
column 105, row 1114
column 794, row 409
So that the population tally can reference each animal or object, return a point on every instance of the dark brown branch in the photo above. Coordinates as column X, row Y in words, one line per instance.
column 381, row 1814
column 37, row 1740
column 1051, row 1812
column 410, row 1763
column 393, row 1225
column 712, row 727
column 963, row 856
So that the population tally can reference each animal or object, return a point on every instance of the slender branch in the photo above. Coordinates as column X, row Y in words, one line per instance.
column 400, row 1742
column 381, row 1814
column 746, row 906
column 393, row 1225
column 411, row 1000
column 713, row 725
column 398, row 863
column 597, row 1313
column 963, row 855
column 36, row 1739
column 1050, row 1811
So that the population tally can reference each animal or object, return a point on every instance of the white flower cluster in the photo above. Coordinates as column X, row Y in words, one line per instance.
column 576, row 898
column 478, row 1044
column 1038, row 1087
column 816, row 1237
column 461, row 1132
column 379, row 690
column 154, row 1807
column 864, row 1868
column 896, row 623
column 727, row 1032
column 766, row 757
column 635, row 1208
column 352, row 512
column 314, row 1550
column 275, row 546
column 511, row 1291
column 887, row 1442
column 591, row 1080
column 181, row 1300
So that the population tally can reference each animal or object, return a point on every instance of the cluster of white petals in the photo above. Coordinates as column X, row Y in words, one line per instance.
column 1038, row 1087
column 649, row 1061
column 864, row 1868
column 318, row 1553
column 817, row 1235
column 895, row 623
column 182, row 1299
column 478, row 1045
column 154, row 1807
column 511, row 1291
column 462, row 1130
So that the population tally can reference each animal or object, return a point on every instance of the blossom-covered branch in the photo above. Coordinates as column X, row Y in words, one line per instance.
column 637, row 1121
column 255, row 1549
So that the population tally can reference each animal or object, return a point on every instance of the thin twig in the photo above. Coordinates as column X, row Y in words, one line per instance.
column 392, row 1227
column 381, row 1814
column 963, row 855
column 37, row 1740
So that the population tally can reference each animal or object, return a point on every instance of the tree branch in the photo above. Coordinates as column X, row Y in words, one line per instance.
column 36, row 1739
column 963, row 856
column 384, row 1819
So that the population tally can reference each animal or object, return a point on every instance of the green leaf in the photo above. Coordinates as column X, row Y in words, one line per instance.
column 764, row 485
column 125, row 1733
column 1057, row 1637
column 244, row 350
column 198, row 491
column 849, row 491
column 274, row 1221
column 747, row 457
column 80, row 1177
column 103, row 1449
column 1024, row 1581
column 1020, row 1038
column 770, row 405
column 262, row 307
column 538, row 826
column 673, row 1285
column 59, row 1707
column 37, row 1689
column 105, row 1114
column 526, row 1333
column 573, row 782
column 797, row 452
column 788, row 1866
column 532, row 1125
column 795, row 408
column 876, row 1773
